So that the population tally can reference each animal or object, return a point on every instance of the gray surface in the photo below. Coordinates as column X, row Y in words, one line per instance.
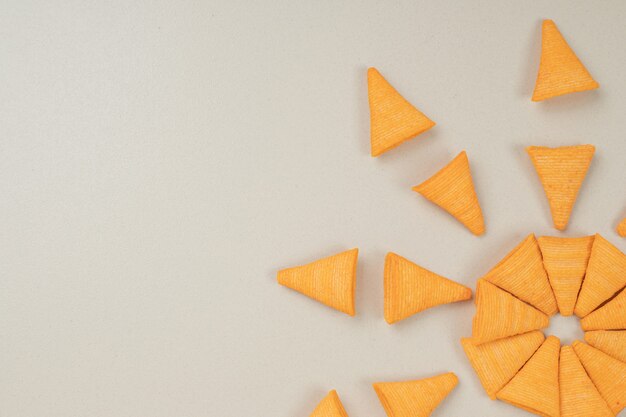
column 160, row 161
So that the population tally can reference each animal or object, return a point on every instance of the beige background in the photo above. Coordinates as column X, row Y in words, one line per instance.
column 159, row 161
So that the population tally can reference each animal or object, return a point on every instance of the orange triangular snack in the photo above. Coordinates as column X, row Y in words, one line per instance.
column 535, row 388
column 565, row 260
column 409, row 289
column 522, row 274
column 579, row 397
column 497, row 362
column 621, row 228
column 607, row 374
column 330, row 280
column 606, row 275
column 330, row 407
column 560, row 70
column 561, row 171
column 611, row 342
column 611, row 316
column 499, row 315
column 452, row 189
column 393, row 119
column 415, row 398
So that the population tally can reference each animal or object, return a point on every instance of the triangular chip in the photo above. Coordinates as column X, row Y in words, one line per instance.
column 611, row 342
column 452, row 189
column 565, row 260
column 393, row 119
column 611, row 316
column 522, row 274
column 607, row 374
column 330, row 280
column 415, row 398
column 579, row 397
column 560, row 70
column 409, row 289
column 561, row 171
column 499, row 315
column 606, row 275
column 497, row 362
column 621, row 228
column 535, row 388
column 330, row 407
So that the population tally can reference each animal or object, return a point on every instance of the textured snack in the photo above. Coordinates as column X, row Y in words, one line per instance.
column 331, row 280
column 330, row 407
column 560, row 70
column 393, row 120
column 500, row 315
column 521, row 273
column 562, row 172
column 409, row 289
column 452, row 189
column 611, row 316
column 621, row 228
column 606, row 275
column 611, row 342
column 497, row 362
column 565, row 260
column 579, row 397
column 535, row 388
column 415, row 398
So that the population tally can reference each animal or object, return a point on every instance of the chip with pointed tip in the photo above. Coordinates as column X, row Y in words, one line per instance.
column 330, row 406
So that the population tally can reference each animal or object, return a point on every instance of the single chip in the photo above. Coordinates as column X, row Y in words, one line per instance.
column 560, row 70
column 562, row 172
column 621, row 228
column 606, row 275
column 409, row 289
column 611, row 316
column 611, row 342
column 452, row 189
column 330, row 281
column 607, row 374
column 330, row 407
column 393, row 119
column 522, row 274
column 415, row 398
column 500, row 315
column 497, row 362
column 565, row 260
column 535, row 388
column 579, row 397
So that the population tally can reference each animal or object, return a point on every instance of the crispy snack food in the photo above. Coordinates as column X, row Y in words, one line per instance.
column 560, row 70
column 611, row 342
column 415, row 398
column 621, row 228
column 409, row 289
column 611, row 316
column 330, row 407
column 331, row 280
column 393, row 120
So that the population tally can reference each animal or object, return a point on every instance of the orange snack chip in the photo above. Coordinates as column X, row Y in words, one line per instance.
column 497, row 362
column 522, row 274
column 607, row 374
column 611, row 342
column 415, row 398
column 621, row 228
column 562, row 172
column 606, row 275
column 330, row 407
column 452, row 189
column 330, row 280
column 535, row 388
column 500, row 315
column 579, row 397
column 393, row 119
column 409, row 289
column 565, row 260
column 611, row 316
column 560, row 70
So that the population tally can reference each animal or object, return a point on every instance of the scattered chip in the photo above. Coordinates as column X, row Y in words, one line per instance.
column 565, row 260
column 452, row 189
column 409, row 289
column 522, row 274
column 331, row 280
column 415, row 398
column 330, row 407
column 562, row 172
column 393, row 119
column 611, row 316
column 560, row 70
column 606, row 275
column 621, row 228
column 611, row 342
column 497, row 362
